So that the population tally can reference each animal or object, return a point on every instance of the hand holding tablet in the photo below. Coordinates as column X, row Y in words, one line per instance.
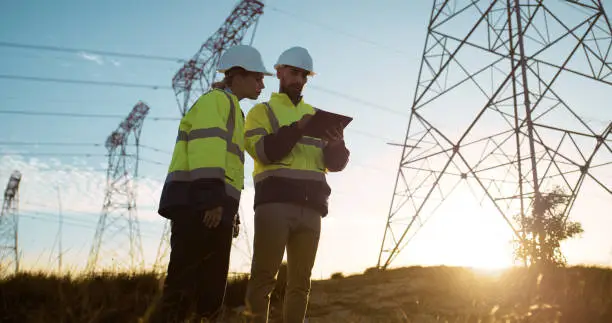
column 325, row 125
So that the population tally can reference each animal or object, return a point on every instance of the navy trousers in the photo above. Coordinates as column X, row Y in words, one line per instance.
column 197, row 271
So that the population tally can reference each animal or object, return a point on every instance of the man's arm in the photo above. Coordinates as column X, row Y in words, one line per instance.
column 265, row 146
column 206, row 152
column 336, row 156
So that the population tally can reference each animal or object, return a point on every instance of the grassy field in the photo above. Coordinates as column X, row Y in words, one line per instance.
column 414, row 294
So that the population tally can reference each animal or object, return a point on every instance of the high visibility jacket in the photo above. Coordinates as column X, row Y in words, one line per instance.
column 207, row 167
column 289, row 167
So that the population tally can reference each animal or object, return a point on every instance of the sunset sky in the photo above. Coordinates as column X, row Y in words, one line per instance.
column 367, row 59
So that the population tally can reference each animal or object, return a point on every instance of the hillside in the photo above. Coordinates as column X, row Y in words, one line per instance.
column 414, row 294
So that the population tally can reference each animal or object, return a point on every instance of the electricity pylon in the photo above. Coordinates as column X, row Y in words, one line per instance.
column 496, row 110
column 117, row 238
column 9, row 224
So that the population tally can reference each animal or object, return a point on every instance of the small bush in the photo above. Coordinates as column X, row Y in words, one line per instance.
column 337, row 276
column 372, row 270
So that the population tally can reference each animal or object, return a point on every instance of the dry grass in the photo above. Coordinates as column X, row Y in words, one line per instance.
column 415, row 294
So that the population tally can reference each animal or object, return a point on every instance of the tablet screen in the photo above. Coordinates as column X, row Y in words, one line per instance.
column 323, row 121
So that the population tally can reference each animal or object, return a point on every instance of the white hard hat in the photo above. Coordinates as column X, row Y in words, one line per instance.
column 296, row 57
column 243, row 56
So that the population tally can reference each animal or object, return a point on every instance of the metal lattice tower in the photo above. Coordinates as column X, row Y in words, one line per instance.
column 9, row 224
column 495, row 111
column 198, row 74
column 117, row 241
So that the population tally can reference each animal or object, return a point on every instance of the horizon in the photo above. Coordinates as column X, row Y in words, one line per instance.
column 59, row 156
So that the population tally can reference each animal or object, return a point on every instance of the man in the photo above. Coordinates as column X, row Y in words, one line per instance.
column 203, row 187
column 291, row 192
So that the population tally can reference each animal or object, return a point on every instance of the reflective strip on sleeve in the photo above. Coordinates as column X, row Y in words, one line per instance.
column 235, row 149
column 272, row 117
column 290, row 173
column 259, row 146
column 256, row 132
column 182, row 136
column 207, row 133
column 260, row 152
column 312, row 142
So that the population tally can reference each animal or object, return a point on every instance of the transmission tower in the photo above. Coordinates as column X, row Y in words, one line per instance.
column 9, row 220
column 496, row 111
column 117, row 238
column 198, row 74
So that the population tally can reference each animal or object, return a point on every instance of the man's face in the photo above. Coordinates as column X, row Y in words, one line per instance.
column 250, row 84
column 292, row 80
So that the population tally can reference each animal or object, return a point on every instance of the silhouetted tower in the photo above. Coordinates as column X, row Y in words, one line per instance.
column 9, row 223
column 495, row 110
column 198, row 74
column 117, row 239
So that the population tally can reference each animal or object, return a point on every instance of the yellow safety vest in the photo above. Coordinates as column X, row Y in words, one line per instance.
column 305, row 161
column 209, row 145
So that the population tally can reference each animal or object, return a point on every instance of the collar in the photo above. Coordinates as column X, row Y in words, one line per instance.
column 284, row 98
column 229, row 91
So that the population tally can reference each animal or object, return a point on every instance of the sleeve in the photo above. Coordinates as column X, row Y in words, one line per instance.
column 206, row 152
column 336, row 156
column 261, row 143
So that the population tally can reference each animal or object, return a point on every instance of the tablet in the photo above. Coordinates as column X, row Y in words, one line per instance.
column 322, row 121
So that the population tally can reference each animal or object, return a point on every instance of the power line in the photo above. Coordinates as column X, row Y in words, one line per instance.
column 328, row 28
column 55, row 154
column 90, row 51
column 79, row 115
column 113, row 116
column 152, row 162
column 72, row 144
column 27, row 143
column 358, row 100
column 155, row 149
column 75, row 222
column 72, row 81
column 165, row 87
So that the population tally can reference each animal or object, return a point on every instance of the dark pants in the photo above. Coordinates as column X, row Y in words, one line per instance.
column 197, row 271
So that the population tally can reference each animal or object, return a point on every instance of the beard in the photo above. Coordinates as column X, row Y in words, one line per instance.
column 293, row 91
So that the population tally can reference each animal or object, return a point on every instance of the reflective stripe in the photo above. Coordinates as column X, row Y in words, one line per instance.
column 232, row 191
column 275, row 126
column 290, row 173
column 235, row 149
column 232, row 147
column 312, row 141
column 260, row 152
column 182, row 136
column 218, row 132
column 198, row 173
column 207, row 133
column 231, row 119
column 256, row 132
column 211, row 133
column 273, row 120
column 231, row 125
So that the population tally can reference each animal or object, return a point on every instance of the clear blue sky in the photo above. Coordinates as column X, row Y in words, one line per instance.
column 369, row 52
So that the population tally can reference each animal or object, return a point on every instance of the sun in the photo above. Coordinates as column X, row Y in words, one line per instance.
column 463, row 233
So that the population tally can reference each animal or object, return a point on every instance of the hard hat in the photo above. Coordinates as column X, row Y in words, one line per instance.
column 243, row 56
column 296, row 57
